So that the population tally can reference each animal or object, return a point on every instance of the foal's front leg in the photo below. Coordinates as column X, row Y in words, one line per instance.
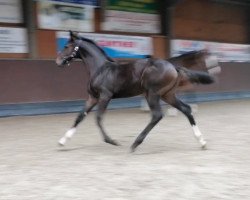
column 102, row 106
column 90, row 104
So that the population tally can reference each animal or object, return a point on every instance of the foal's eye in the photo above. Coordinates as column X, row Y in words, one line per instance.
column 66, row 46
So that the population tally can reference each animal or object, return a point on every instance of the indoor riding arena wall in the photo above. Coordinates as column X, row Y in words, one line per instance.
column 37, row 80
column 216, row 21
column 211, row 21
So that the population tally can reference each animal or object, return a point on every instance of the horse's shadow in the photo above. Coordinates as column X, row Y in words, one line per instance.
column 69, row 149
column 137, row 153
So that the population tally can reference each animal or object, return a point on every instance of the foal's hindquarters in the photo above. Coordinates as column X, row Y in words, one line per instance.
column 161, row 83
column 167, row 93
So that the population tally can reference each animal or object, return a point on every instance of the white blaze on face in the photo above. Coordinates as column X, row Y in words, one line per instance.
column 212, row 65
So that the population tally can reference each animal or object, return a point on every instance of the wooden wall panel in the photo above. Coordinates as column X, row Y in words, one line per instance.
column 206, row 20
column 46, row 44
column 190, row 29
column 14, row 55
column 160, row 47
column 33, row 81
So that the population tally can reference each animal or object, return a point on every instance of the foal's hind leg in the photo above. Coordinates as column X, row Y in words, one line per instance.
column 90, row 103
column 154, row 105
column 186, row 110
column 102, row 106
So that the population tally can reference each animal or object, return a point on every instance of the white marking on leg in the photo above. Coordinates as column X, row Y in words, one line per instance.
column 212, row 65
column 69, row 134
column 211, row 61
column 85, row 113
column 62, row 141
column 199, row 136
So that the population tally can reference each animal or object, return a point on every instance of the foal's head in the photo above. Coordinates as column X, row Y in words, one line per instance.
column 83, row 48
column 69, row 51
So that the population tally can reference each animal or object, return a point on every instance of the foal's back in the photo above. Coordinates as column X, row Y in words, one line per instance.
column 120, row 80
column 135, row 78
column 160, row 77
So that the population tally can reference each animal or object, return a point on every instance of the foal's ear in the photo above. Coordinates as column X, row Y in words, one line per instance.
column 73, row 35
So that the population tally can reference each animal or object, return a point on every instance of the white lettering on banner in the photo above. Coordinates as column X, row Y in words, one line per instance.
column 135, row 44
column 11, row 11
column 224, row 51
column 13, row 40
column 118, row 45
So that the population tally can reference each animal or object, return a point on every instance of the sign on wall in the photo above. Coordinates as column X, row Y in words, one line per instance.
column 13, row 40
column 131, row 16
column 85, row 2
column 226, row 52
column 116, row 46
column 11, row 11
column 61, row 15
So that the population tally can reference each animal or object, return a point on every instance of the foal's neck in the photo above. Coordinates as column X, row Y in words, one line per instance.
column 93, row 63
column 93, row 57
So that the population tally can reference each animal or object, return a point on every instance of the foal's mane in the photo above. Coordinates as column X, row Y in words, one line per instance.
column 98, row 47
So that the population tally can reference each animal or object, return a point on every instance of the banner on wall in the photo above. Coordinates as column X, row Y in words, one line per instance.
column 61, row 15
column 11, row 11
column 131, row 16
column 116, row 46
column 226, row 52
column 13, row 40
column 85, row 2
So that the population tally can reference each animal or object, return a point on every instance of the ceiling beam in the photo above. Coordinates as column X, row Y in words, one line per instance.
column 235, row 2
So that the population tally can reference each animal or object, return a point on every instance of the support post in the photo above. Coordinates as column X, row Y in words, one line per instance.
column 30, row 24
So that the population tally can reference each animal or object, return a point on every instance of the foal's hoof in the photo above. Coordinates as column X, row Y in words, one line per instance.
column 133, row 147
column 62, row 142
column 203, row 144
column 113, row 142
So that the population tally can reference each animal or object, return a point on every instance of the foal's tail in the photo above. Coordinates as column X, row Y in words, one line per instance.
column 198, row 77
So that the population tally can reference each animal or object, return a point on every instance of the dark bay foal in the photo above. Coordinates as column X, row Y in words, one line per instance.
column 156, row 79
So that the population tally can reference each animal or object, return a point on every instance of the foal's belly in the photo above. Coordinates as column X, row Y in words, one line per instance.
column 129, row 91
